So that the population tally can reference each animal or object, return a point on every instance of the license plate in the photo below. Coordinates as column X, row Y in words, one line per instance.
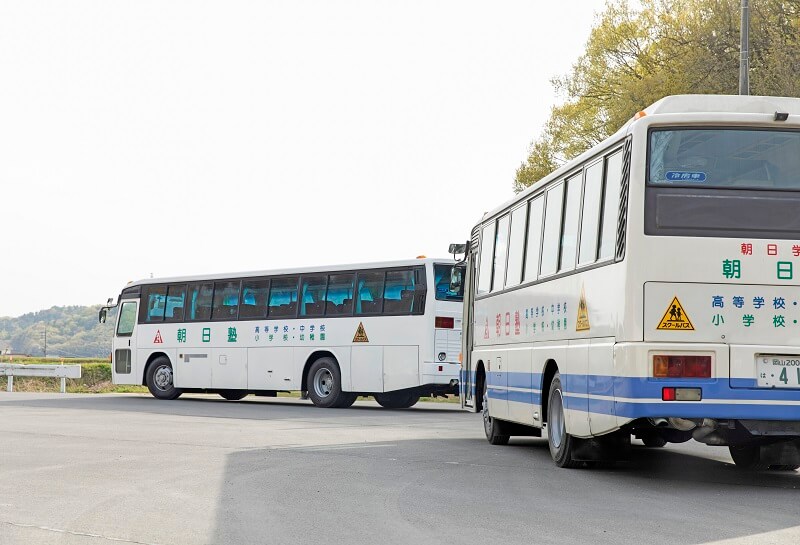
column 778, row 371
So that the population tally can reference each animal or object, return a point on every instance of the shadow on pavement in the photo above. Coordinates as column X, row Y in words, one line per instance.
column 436, row 491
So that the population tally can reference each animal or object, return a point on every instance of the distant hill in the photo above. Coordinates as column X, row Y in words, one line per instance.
column 72, row 331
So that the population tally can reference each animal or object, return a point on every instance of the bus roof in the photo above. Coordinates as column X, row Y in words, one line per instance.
column 675, row 104
column 295, row 270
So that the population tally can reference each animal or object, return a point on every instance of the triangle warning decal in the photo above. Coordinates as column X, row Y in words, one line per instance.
column 158, row 339
column 583, row 314
column 675, row 318
column 361, row 334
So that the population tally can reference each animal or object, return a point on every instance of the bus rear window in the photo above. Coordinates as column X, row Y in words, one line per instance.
column 723, row 182
column 441, row 275
column 725, row 158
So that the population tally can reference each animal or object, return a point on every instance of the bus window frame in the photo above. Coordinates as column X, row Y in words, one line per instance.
column 622, row 145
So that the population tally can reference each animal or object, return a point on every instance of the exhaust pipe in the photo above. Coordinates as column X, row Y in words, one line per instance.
column 682, row 424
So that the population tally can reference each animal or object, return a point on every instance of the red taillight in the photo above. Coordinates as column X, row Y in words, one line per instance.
column 682, row 366
column 445, row 322
column 668, row 394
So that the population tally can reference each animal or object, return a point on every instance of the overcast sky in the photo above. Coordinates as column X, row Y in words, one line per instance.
column 183, row 137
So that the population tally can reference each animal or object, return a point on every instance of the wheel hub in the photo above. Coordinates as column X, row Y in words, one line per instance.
column 163, row 378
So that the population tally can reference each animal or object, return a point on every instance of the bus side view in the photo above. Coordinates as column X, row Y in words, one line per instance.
column 647, row 289
column 388, row 330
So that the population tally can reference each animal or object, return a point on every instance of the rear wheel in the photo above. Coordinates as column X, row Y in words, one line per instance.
column 233, row 395
column 397, row 400
column 160, row 379
column 749, row 457
column 561, row 443
column 491, row 427
column 324, row 385
column 654, row 441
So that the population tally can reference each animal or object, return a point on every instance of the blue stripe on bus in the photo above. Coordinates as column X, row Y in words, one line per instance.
column 576, row 388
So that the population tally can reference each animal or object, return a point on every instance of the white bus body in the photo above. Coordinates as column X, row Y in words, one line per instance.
column 659, row 295
column 379, row 329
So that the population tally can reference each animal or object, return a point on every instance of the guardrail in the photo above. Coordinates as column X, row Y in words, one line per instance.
column 51, row 371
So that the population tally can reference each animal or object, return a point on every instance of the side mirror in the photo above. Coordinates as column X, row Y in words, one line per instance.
column 457, row 249
column 102, row 315
column 455, row 279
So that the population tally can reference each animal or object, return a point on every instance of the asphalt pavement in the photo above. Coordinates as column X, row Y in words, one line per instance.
column 96, row 469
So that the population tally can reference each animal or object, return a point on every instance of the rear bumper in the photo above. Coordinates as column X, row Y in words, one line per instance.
column 732, row 393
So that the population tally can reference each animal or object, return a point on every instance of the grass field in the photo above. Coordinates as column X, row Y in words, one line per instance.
column 96, row 379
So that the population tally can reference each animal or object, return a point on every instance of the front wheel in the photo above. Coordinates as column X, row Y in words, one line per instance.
column 561, row 443
column 324, row 385
column 397, row 400
column 491, row 426
column 160, row 379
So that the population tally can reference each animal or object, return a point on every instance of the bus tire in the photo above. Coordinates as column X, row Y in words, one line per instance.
column 160, row 379
column 749, row 457
column 347, row 400
column 397, row 400
column 233, row 395
column 561, row 443
column 491, row 426
column 324, row 385
column 653, row 441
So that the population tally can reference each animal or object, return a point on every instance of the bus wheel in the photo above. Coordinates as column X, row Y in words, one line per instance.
column 324, row 385
column 491, row 427
column 160, row 379
column 397, row 400
column 653, row 441
column 347, row 400
column 561, row 443
column 233, row 395
column 749, row 457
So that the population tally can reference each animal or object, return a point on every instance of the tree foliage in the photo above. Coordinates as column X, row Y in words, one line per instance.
column 72, row 331
column 637, row 55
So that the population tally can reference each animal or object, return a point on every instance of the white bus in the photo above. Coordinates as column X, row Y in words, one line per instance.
column 389, row 330
column 647, row 288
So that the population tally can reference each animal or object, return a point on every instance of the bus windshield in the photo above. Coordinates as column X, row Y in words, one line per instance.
column 725, row 158
column 442, row 280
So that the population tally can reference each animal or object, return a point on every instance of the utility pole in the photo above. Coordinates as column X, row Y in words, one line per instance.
column 744, row 50
column 45, row 339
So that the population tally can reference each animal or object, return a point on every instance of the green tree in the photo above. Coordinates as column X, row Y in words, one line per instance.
column 636, row 56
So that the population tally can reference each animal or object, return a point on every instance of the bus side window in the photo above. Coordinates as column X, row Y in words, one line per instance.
column 370, row 293
column 200, row 296
column 155, row 298
column 283, row 296
column 590, row 222
column 608, row 237
column 398, row 292
column 500, row 253
column 487, row 252
column 534, row 241
column 569, row 234
column 254, row 298
column 515, row 246
column 339, row 299
column 552, row 229
column 313, row 295
column 226, row 300
column 176, row 297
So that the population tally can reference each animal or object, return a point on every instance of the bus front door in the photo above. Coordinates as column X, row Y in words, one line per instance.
column 124, row 368
column 466, row 381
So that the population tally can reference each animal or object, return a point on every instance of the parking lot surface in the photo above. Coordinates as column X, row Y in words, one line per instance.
column 94, row 469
